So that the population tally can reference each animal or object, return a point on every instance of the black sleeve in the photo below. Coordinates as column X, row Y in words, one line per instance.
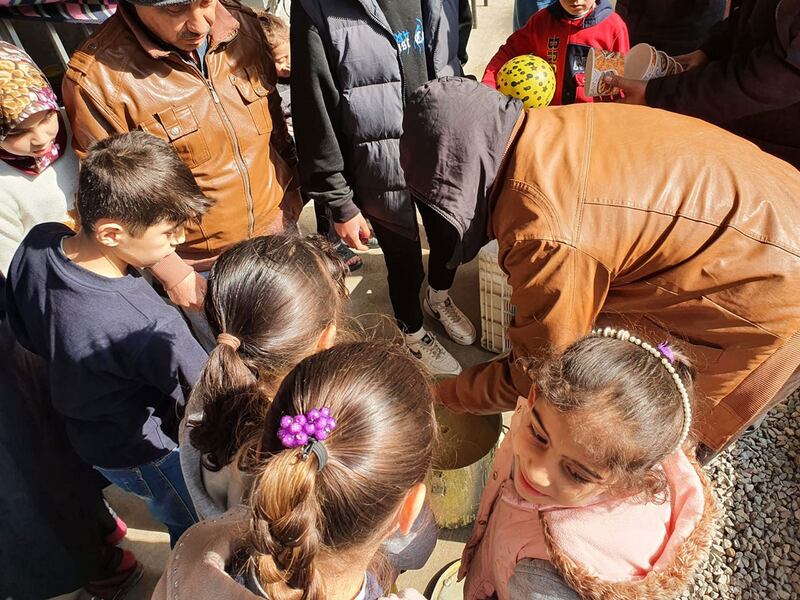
column 9, row 312
column 720, row 40
column 315, row 107
column 171, row 360
column 464, row 29
column 742, row 84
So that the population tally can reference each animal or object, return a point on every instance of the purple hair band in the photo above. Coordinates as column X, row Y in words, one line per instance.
column 664, row 348
column 313, row 426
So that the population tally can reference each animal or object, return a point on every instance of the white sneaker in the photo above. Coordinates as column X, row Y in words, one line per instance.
column 455, row 323
column 437, row 360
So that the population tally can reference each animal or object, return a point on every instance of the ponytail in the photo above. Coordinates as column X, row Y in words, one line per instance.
column 284, row 537
column 269, row 299
column 234, row 405
column 380, row 447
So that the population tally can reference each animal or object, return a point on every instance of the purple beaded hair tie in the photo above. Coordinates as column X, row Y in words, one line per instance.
column 664, row 348
column 308, row 430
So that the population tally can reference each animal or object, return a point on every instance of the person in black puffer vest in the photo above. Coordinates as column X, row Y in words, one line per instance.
column 355, row 63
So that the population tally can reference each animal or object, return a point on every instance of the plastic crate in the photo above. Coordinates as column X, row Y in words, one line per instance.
column 497, row 312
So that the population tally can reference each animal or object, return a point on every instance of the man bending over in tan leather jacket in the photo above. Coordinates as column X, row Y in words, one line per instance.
column 198, row 75
column 618, row 214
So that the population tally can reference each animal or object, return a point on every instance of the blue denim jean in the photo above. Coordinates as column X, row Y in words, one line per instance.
column 160, row 484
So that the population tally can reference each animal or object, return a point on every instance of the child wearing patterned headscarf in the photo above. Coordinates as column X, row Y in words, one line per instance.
column 38, row 169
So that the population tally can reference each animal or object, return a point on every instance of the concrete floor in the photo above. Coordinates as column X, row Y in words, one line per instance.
column 148, row 539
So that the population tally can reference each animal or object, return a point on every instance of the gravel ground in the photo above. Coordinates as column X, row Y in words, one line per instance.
column 756, row 551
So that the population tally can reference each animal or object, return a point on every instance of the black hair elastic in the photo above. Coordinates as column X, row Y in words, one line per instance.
column 318, row 449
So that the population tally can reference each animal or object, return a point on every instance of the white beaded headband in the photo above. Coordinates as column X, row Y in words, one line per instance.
column 665, row 356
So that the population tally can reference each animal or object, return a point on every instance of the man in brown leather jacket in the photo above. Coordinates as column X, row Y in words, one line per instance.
column 624, row 215
column 198, row 75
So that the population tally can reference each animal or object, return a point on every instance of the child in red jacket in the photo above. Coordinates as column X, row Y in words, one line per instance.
column 562, row 35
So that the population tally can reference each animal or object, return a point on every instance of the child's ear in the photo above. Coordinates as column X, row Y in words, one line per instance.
column 411, row 507
column 108, row 233
column 327, row 338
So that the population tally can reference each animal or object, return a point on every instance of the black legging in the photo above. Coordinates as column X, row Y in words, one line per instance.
column 324, row 224
column 403, row 258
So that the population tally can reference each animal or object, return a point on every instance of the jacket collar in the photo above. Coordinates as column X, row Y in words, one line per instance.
column 372, row 8
column 430, row 11
column 598, row 14
column 224, row 30
column 688, row 537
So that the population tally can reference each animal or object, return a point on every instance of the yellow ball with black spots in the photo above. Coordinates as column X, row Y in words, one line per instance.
column 529, row 78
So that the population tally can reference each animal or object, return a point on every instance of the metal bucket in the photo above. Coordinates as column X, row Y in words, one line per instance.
column 461, row 464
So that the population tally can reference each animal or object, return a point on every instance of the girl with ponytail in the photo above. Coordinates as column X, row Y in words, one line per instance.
column 342, row 454
column 271, row 301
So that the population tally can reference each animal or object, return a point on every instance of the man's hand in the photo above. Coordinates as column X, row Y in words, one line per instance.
column 690, row 61
column 632, row 88
column 354, row 232
column 190, row 292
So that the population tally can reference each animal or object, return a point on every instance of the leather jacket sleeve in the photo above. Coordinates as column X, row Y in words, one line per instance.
column 89, row 120
column 558, row 293
column 315, row 102
column 742, row 84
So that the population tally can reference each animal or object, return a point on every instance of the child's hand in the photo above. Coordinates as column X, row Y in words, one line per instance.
column 190, row 292
column 354, row 232
column 633, row 89
column 183, row 285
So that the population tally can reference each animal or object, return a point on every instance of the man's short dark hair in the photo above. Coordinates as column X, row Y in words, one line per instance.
column 139, row 180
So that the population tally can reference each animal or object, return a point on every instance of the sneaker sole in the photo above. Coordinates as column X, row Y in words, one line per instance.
column 463, row 341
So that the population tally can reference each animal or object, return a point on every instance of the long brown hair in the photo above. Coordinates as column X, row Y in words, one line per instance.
column 625, row 404
column 380, row 449
column 276, row 295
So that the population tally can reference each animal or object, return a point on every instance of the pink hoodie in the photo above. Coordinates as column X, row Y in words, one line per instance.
column 619, row 549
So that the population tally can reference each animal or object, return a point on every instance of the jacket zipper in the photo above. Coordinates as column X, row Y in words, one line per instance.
column 237, row 153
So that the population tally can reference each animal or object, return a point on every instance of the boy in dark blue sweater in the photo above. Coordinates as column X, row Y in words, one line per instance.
column 120, row 359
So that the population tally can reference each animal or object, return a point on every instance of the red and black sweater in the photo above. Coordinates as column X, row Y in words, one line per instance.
column 564, row 41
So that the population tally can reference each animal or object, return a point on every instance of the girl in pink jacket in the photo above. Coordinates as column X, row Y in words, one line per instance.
column 591, row 493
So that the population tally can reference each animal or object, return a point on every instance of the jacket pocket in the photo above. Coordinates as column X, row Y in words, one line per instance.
column 178, row 126
column 255, row 96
